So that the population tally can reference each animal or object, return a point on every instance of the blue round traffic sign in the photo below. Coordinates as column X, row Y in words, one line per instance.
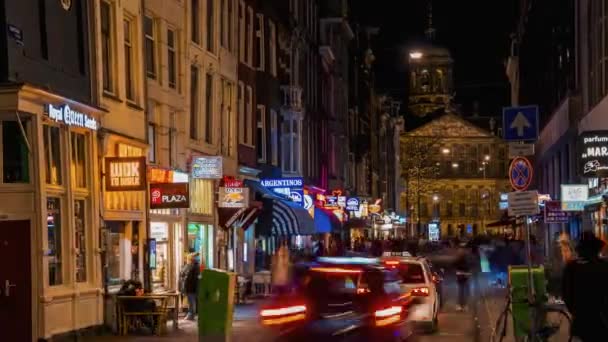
column 520, row 173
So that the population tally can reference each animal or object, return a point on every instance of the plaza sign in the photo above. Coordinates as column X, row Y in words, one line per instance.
column 593, row 154
column 70, row 117
column 163, row 195
column 125, row 173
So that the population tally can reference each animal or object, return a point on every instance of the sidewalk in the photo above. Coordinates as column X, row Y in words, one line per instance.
column 244, row 321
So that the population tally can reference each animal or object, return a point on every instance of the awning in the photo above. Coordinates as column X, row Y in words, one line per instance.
column 239, row 217
column 289, row 218
column 326, row 222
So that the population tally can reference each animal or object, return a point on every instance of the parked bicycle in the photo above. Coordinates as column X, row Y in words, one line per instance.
column 551, row 321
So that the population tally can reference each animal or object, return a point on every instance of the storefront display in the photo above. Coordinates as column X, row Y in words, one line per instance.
column 201, row 242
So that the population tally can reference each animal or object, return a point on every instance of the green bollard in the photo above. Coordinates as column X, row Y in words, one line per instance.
column 215, row 305
column 518, row 278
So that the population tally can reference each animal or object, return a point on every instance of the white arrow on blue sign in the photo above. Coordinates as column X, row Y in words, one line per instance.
column 520, row 123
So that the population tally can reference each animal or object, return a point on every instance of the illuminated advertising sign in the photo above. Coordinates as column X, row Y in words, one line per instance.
column 70, row 117
column 291, row 187
column 163, row 196
column 207, row 168
column 574, row 196
column 352, row 204
column 233, row 197
column 593, row 154
column 125, row 173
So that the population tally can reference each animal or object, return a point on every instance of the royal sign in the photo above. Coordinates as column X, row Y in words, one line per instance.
column 163, row 195
column 70, row 117
column 592, row 150
column 125, row 173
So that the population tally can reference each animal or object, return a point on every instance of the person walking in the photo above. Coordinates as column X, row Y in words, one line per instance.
column 280, row 270
column 463, row 274
column 188, row 281
column 585, row 281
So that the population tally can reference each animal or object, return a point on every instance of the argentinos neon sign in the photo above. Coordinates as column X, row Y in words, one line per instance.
column 71, row 117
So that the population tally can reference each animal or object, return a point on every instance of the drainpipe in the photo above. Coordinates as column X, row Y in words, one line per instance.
column 146, row 252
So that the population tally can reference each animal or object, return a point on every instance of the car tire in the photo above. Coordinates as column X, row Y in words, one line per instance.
column 434, row 326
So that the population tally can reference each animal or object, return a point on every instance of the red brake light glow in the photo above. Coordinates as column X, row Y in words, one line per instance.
column 420, row 291
column 334, row 270
column 392, row 263
column 291, row 310
column 393, row 310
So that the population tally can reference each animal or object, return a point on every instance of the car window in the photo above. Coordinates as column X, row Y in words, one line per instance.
column 333, row 283
column 391, row 283
column 411, row 273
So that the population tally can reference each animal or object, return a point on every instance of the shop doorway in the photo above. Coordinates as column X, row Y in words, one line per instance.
column 15, row 281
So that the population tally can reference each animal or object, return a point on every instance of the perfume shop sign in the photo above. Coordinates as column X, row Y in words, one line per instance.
column 125, row 173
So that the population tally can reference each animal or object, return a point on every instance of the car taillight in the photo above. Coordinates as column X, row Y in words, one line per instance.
column 362, row 290
column 420, row 291
column 283, row 315
column 388, row 316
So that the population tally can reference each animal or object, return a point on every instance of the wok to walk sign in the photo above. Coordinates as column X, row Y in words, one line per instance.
column 125, row 173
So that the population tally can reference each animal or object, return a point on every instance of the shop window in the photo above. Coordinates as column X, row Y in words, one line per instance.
column 79, row 172
column 52, row 155
column 113, row 255
column 159, row 231
column 201, row 242
column 15, row 160
column 55, row 245
column 80, row 240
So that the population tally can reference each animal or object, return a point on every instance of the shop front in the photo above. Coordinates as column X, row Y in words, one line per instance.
column 167, row 230
column 208, row 243
column 49, row 215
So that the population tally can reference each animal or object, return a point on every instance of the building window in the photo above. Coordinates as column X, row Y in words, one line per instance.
column 195, row 21
column 224, row 23
column 242, row 43
column 172, row 140
column 272, row 48
column 290, row 144
column 194, row 102
column 15, row 160
column 249, row 115
column 78, row 161
column 210, row 26
column 229, row 22
column 80, row 240
column 152, row 142
column 150, row 47
column 227, row 118
column 52, row 155
column 209, row 109
column 172, row 58
column 261, row 133
column 249, row 45
column 106, row 46
column 274, row 137
column 44, row 48
column 129, row 81
column 259, row 42
column 54, row 242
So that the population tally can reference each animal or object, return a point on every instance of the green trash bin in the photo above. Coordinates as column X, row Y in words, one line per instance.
column 215, row 305
column 520, row 308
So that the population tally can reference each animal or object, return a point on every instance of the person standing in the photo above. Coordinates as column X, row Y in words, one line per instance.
column 585, row 281
column 280, row 270
column 188, row 281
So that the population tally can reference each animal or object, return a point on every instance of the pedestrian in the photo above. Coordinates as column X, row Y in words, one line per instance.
column 585, row 281
column 463, row 274
column 562, row 253
column 280, row 271
column 188, row 281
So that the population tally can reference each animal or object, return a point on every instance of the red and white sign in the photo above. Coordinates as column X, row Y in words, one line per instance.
column 169, row 195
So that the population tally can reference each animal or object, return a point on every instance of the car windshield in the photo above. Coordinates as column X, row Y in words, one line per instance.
column 411, row 273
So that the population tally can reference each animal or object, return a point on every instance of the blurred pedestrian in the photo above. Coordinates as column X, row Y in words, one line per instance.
column 562, row 253
column 280, row 270
column 585, row 281
column 188, row 281
column 463, row 274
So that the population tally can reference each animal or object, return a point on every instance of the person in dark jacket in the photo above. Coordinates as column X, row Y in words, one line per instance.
column 463, row 274
column 585, row 281
column 188, row 281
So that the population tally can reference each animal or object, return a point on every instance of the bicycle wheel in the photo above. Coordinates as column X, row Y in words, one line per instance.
column 501, row 326
column 557, row 326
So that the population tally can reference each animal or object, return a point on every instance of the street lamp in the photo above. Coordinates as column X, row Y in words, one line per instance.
column 455, row 165
column 487, row 157
column 435, row 198
column 445, row 150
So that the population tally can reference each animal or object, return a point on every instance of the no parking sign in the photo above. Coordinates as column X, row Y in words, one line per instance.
column 520, row 173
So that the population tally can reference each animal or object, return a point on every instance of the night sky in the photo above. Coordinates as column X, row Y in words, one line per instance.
column 476, row 32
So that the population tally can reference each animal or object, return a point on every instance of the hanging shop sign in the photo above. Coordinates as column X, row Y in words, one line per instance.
column 207, row 168
column 353, row 204
column 554, row 212
column 160, row 175
column 230, row 197
column 574, row 196
column 520, row 173
column 163, row 196
column 125, row 173
column 592, row 150
column 70, row 117
column 292, row 187
column 434, row 231
column 231, row 182
column 375, row 208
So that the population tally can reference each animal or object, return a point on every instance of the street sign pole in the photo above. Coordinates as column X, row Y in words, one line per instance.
column 531, row 288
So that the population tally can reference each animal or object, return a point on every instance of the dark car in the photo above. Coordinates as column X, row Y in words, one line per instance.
column 342, row 299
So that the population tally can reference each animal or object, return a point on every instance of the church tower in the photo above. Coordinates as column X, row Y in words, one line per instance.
column 430, row 74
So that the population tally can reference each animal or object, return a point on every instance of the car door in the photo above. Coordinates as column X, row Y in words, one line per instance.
column 431, row 284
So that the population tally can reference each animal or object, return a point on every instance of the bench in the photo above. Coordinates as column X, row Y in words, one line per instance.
column 129, row 320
